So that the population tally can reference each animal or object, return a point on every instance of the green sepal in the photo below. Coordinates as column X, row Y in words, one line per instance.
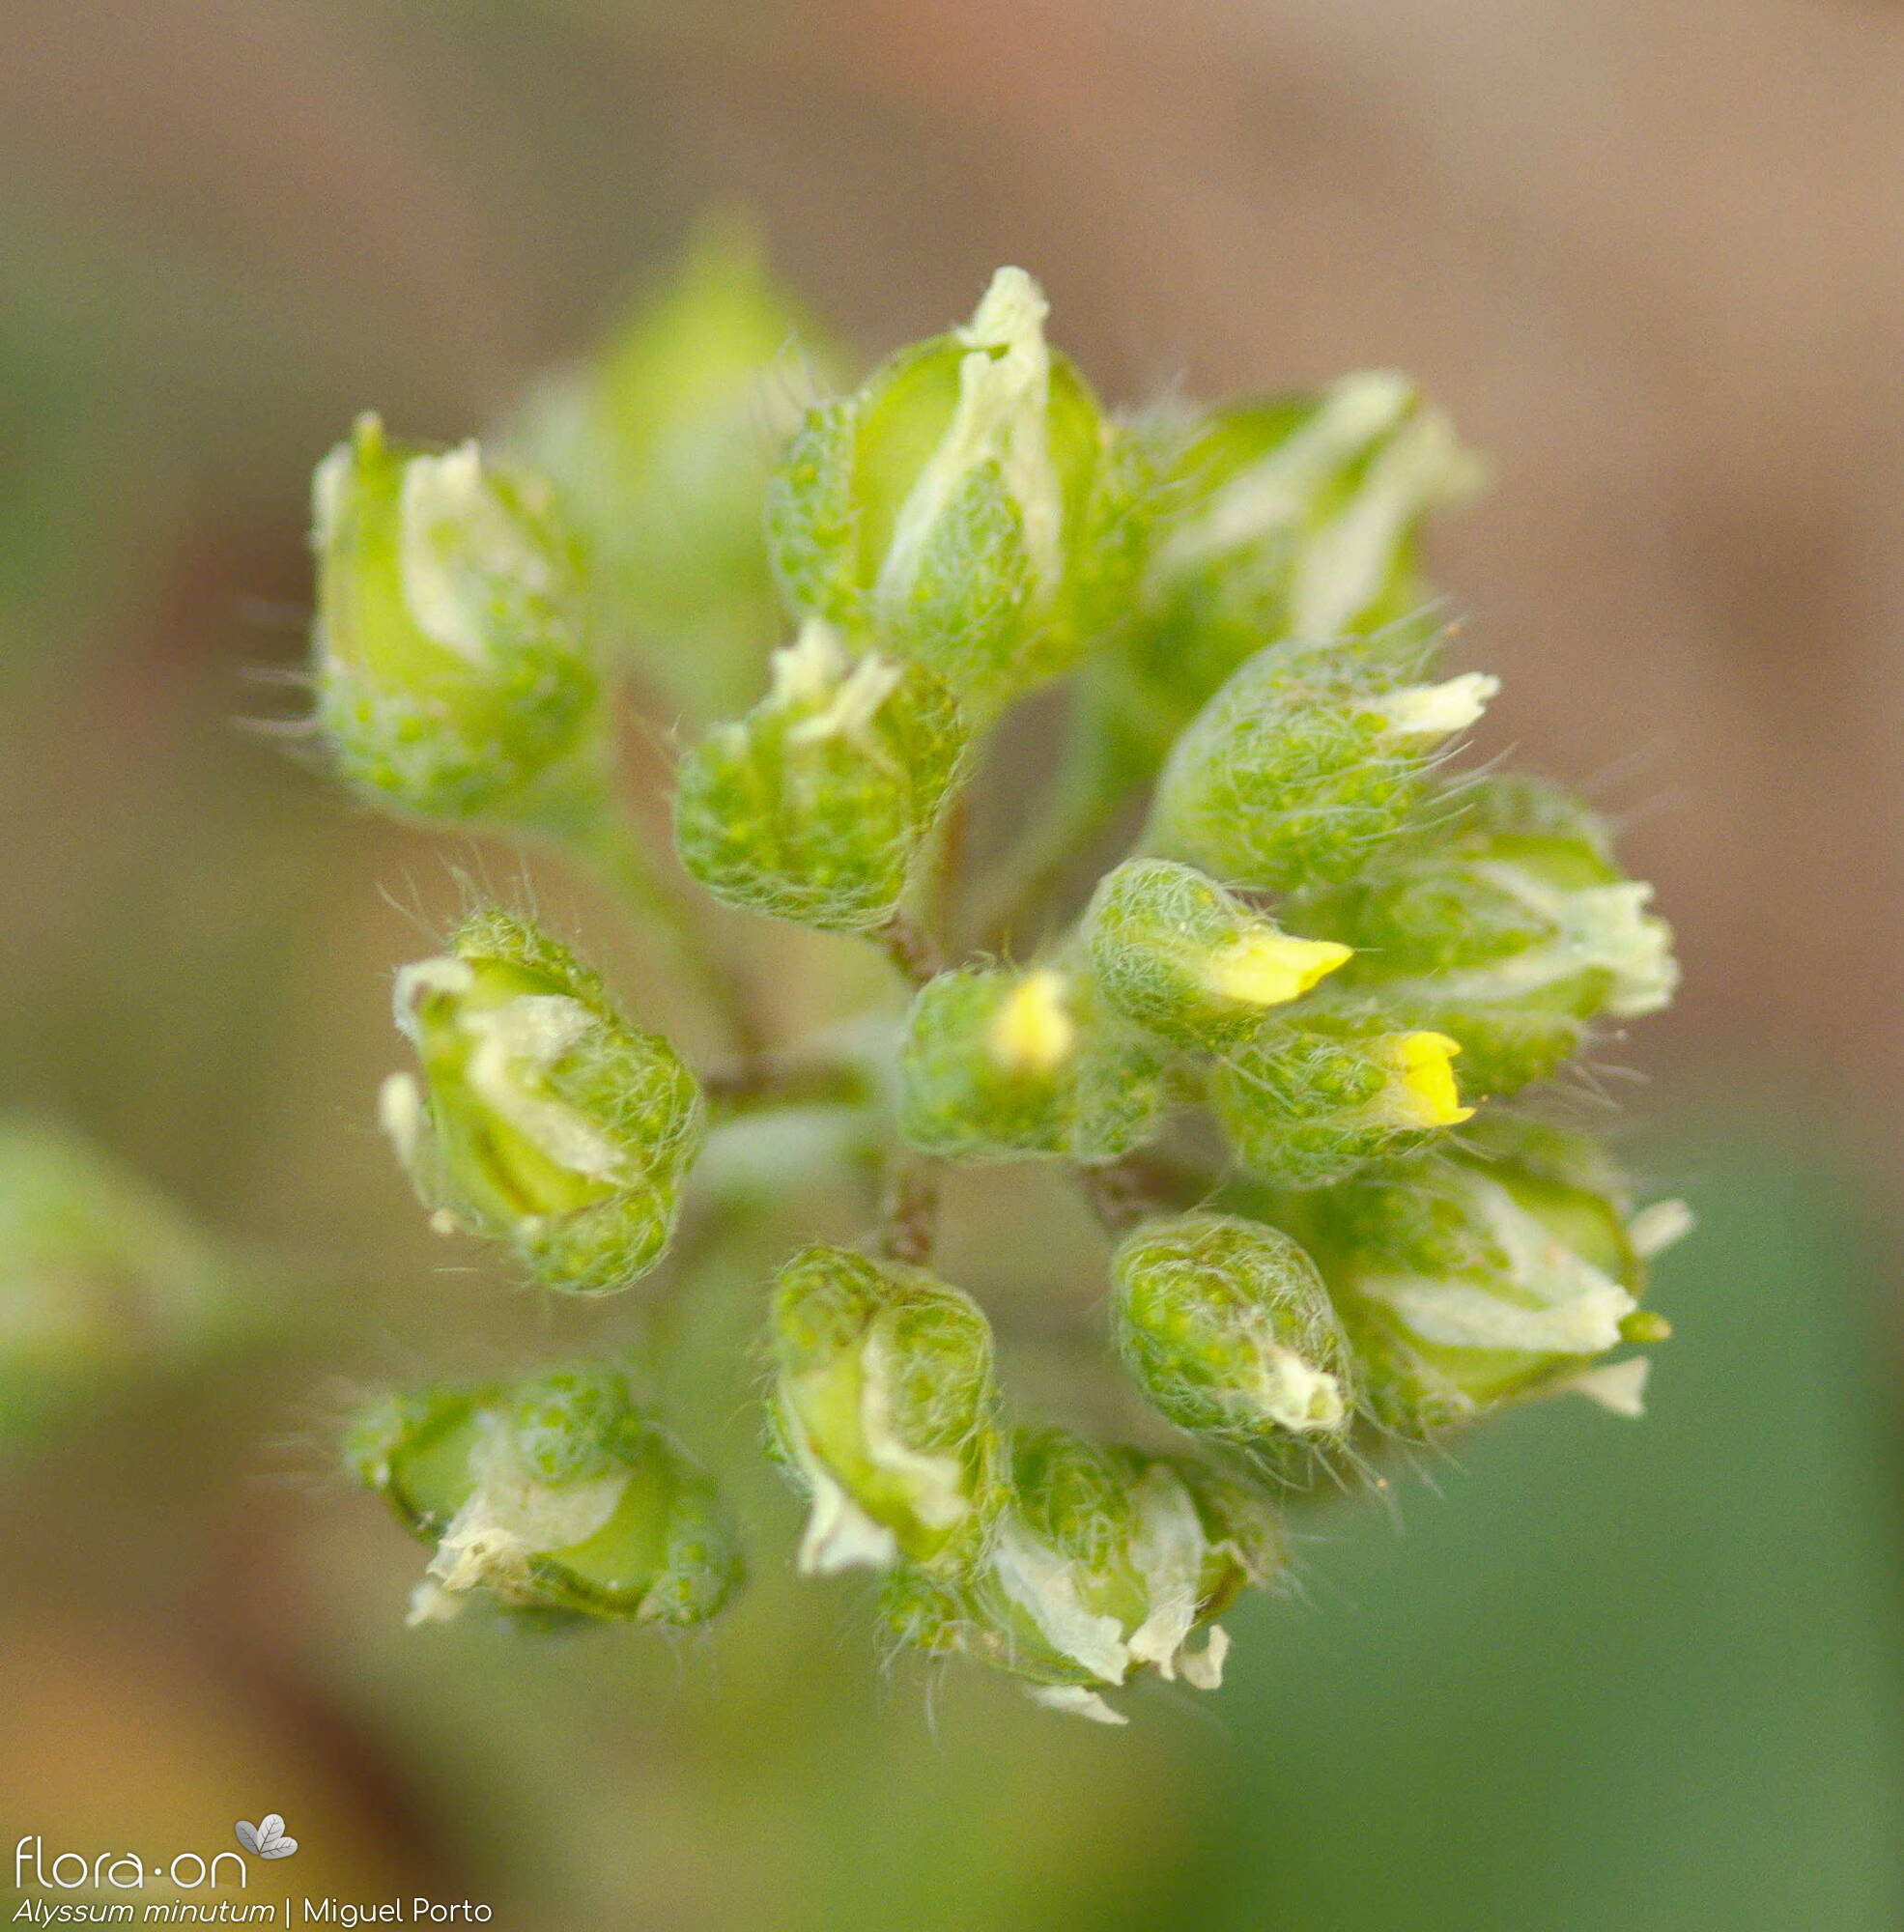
column 1284, row 516
column 1180, row 955
column 963, row 506
column 1310, row 1099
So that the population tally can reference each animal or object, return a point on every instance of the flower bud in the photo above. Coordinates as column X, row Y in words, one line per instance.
column 1289, row 516
column 1311, row 756
column 813, row 807
column 547, row 1121
column 556, row 1495
column 453, row 657
column 961, row 505
column 104, row 1281
column 998, row 1064
column 1485, row 1274
column 1107, row 1563
column 1175, row 952
column 664, row 446
column 1311, row 1098
column 1509, row 936
column 1228, row 1329
column 886, row 1409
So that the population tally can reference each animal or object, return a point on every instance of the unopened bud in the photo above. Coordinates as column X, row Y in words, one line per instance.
column 453, row 657
column 1306, row 760
column 545, row 1120
column 663, row 444
column 954, row 506
column 998, row 1064
column 1179, row 954
column 1310, row 1099
column 1228, row 1329
column 102, row 1282
column 814, row 806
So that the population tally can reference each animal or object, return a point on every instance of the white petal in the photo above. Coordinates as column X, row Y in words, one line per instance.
column 1168, row 1551
column 1202, row 1670
column 1040, row 1583
column 1620, row 1387
column 1655, row 1229
column 1437, row 710
column 1079, row 1702
column 431, row 1604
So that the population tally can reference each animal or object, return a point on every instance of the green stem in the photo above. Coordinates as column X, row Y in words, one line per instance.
column 582, row 816
column 757, row 1085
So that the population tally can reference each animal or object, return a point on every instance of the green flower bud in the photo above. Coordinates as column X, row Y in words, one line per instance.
column 548, row 1123
column 1311, row 756
column 1228, row 1329
column 885, row 1409
column 1175, row 952
column 813, row 807
column 453, row 657
column 1509, row 936
column 102, row 1281
column 1107, row 1563
column 962, row 505
column 557, row 1496
column 1491, row 1273
column 1310, row 1099
column 998, row 1064
column 664, row 447
column 1289, row 516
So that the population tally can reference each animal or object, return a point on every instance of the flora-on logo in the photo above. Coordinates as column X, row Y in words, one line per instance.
column 265, row 1838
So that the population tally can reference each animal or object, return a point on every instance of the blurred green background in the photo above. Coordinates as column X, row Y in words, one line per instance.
column 1589, row 1674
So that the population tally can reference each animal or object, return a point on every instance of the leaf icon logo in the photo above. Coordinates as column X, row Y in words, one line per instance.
column 265, row 1838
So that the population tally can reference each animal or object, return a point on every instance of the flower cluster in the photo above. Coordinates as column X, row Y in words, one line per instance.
column 1282, row 1045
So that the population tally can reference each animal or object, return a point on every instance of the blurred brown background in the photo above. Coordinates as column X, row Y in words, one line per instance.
column 1651, row 258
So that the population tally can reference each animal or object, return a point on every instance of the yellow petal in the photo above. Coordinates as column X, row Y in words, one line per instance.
column 1033, row 1031
column 1264, row 968
column 1423, row 1092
